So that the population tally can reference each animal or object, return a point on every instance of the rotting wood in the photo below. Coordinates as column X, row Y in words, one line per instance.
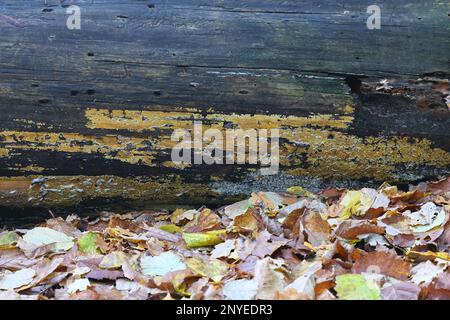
column 78, row 107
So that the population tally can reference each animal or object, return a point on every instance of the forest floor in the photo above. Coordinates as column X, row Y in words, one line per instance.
column 367, row 244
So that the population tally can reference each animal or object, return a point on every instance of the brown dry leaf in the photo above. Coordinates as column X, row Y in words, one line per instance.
column 206, row 220
column 59, row 224
column 351, row 229
column 269, row 277
column 439, row 187
column 270, row 202
column 248, row 223
column 43, row 270
column 383, row 262
column 292, row 223
column 265, row 244
column 317, row 229
column 408, row 197
column 440, row 288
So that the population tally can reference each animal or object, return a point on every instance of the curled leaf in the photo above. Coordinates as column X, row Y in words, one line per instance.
column 204, row 239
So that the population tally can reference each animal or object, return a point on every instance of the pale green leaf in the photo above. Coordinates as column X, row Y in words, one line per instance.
column 42, row 236
column 356, row 287
column 88, row 243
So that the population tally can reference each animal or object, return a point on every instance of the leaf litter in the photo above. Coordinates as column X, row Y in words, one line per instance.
column 368, row 244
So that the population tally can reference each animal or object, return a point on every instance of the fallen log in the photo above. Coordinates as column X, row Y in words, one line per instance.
column 87, row 115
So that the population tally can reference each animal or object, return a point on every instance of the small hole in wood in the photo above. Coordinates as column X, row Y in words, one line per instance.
column 47, row 10
column 90, row 92
column 151, row 6
column 243, row 91
column 44, row 101
column 157, row 93
column 90, row 54
column 34, row 85
column 73, row 93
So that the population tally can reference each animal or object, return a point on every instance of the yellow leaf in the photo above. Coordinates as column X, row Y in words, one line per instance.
column 205, row 239
column 299, row 191
column 172, row 228
column 214, row 269
column 9, row 240
column 355, row 203
column 428, row 255
column 113, row 260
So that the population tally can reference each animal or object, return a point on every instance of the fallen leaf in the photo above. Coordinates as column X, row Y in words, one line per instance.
column 78, row 285
column 439, row 187
column 113, row 260
column 41, row 236
column 160, row 265
column 223, row 250
column 351, row 229
column 264, row 245
column 213, row 268
column 299, row 191
column 13, row 280
column 400, row 291
column 88, row 243
column 247, row 222
column 355, row 203
column 8, row 240
column 382, row 262
column 205, row 239
column 356, row 287
column 425, row 272
column 269, row 278
column 242, row 289
column 317, row 229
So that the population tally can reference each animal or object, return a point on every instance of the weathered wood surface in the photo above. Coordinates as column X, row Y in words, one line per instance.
column 92, row 110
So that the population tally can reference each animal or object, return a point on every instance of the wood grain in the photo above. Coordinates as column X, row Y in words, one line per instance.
column 102, row 102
